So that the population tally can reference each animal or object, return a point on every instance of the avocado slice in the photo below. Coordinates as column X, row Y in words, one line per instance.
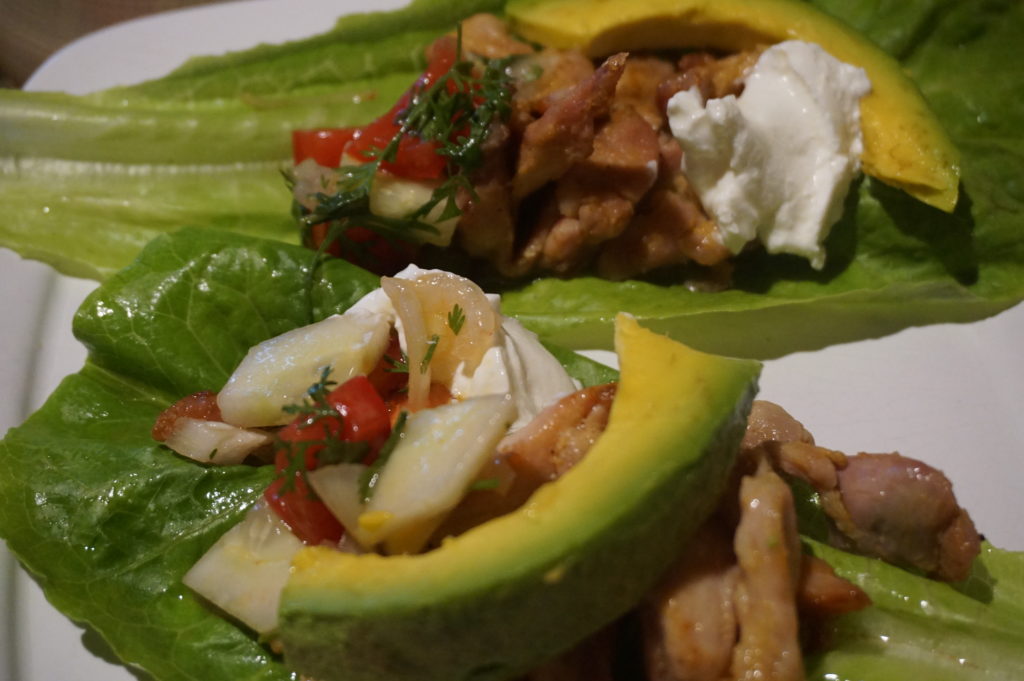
column 497, row 600
column 904, row 144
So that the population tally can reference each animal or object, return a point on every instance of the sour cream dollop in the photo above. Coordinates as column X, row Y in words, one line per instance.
column 775, row 164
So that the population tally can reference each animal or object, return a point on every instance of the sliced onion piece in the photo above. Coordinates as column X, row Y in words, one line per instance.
column 214, row 442
column 279, row 371
column 244, row 572
column 402, row 294
column 441, row 453
column 338, row 487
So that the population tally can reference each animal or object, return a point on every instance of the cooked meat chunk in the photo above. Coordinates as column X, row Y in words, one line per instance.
column 768, row 551
column 558, row 437
column 544, row 77
column 714, row 77
column 822, row 593
column 596, row 197
column 487, row 36
column 564, row 134
column 486, row 228
column 883, row 505
column 689, row 620
column 670, row 227
column 768, row 422
column 638, row 88
column 813, row 464
column 904, row 511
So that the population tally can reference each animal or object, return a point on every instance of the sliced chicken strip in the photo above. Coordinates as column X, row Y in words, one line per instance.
column 558, row 437
column 768, row 551
column 689, row 620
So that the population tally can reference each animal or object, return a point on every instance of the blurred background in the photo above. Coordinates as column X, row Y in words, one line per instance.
column 32, row 30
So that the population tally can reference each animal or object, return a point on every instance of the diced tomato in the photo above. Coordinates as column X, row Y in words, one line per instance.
column 366, row 248
column 384, row 377
column 307, row 516
column 362, row 417
column 440, row 59
column 437, row 396
column 415, row 159
column 201, row 405
column 323, row 145
column 364, row 414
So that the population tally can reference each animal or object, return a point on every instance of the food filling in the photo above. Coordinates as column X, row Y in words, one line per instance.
column 422, row 412
column 541, row 161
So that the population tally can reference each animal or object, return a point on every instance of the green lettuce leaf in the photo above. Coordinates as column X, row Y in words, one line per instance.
column 106, row 520
column 920, row 628
column 88, row 180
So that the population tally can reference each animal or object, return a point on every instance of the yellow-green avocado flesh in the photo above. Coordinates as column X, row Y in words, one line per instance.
column 904, row 143
column 494, row 602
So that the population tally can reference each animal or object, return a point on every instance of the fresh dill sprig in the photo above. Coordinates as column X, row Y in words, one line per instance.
column 429, row 355
column 371, row 476
column 331, row 449
column 455, row 111
column 456, row 318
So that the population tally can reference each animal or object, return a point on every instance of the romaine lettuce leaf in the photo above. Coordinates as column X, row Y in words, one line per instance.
column 920, row 628
column 893, row 262
column 108, row 521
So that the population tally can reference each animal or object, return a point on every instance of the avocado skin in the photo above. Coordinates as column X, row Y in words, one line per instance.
column 497, row 613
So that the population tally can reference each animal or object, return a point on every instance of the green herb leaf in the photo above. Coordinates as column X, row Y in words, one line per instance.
column 456, row 318
column 369, row 477
column 429, row 355
column 485, row 484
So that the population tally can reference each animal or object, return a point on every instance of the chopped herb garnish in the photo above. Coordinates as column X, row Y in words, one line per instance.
column 455, row 111
column 485, row 484
column 399, row 366
column 331, row 449
column 371, row 476
column 431, row 347
column 456, row 318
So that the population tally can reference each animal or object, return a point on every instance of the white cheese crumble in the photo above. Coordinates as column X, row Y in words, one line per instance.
column 775, row 164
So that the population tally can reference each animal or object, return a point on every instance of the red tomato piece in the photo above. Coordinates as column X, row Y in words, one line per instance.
column 363, row 417
column 384, row 377
column 307, row 516
column 201, row 405
column 364, row 414
column 323, row 145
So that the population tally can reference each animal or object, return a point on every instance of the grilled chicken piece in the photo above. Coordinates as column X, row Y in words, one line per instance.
column 487, row 36
column 564, row 134
column 822, row 593
column 768, row 422
column 638, row 88
column 670, row 227
column 558, row 437
column 689, row 620
column 543, row 78
column 886, row 506
column 904, row 511
column 596, row 197
column 714, row 77
column 767, row 549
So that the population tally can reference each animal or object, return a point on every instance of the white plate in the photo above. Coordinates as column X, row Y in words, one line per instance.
column 948, row 394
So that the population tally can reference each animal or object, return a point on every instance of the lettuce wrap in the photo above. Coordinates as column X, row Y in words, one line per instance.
column 108, row 521
column 203, row 146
